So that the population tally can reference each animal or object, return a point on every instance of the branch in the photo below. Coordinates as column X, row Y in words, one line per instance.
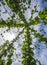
column 11, row 23
column 8, row 45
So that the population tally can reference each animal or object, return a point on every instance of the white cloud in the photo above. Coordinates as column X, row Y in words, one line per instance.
column 9, row 36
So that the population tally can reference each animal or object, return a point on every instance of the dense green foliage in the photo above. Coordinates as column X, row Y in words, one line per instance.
column 28, row 55
column 43, row 15
column 6, row 50
column 27, row 51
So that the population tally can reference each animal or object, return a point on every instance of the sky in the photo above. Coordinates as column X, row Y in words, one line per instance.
column 42, row 55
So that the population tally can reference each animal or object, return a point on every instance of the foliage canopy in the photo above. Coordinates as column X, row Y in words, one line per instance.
column 19, row 7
